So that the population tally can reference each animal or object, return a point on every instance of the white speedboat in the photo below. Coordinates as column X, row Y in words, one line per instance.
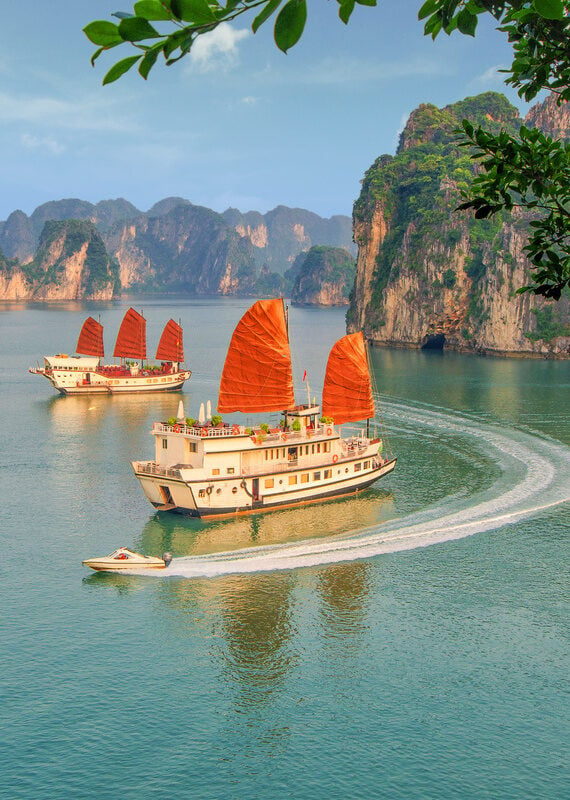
column 122, row 559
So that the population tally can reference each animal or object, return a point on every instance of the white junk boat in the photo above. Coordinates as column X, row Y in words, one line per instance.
column 208, row 471
column 88, row 375
column 122, row 559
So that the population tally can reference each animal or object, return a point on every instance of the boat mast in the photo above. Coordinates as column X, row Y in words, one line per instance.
column 286, row 312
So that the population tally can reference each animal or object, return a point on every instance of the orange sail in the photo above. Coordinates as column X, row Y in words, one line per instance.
column 90, row 342
column 257, row 374
column 131, row 341
column 347, row 393
column 170, row 347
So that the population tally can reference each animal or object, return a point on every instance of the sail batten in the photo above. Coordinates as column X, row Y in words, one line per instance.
column 90, row 342
column 170, row 347
column 131, row 340
column 347, row 392
column 257, row 374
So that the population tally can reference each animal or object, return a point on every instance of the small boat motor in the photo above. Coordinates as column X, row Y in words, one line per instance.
column 167, row 558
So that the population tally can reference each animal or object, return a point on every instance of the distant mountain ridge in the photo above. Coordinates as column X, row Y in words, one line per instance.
column 280, row 234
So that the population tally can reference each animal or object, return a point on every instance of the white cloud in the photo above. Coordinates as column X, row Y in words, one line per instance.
column 249, row 101
column 217, row 49
column 48, row 144
column 84, row 114
column 359, row 72
column 491, row 76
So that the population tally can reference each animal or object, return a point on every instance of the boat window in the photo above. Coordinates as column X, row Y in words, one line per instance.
column 316, row 476
column 366, row 464
column 305, row 477
column 357, row 467
column 193, row 447
column 327, row 447
column 269, row 483
column 292, row 480
column 328, row 473
column 312, row 449
column 231, row 470
column 216, row 471
column 319, row 447
column 164, row 444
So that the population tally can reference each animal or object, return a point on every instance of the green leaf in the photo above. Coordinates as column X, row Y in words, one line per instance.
column 102, row 32
column 137, row 29
column 149, row 60
column 428, row 8
column 152, row 9
column 196, row 11
column 466, row 22
column 120, row 68
column 271, row 6
column 290, row 24
column 346, row 9
column 549, row 9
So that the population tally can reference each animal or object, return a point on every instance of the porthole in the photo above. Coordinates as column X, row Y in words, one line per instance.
column 234, row 490
column 218, row 491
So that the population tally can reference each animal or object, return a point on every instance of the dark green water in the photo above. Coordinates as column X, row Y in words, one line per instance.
column 410, row 643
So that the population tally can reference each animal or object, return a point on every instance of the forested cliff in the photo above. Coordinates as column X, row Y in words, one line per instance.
column 71, row 263
column 428, row 276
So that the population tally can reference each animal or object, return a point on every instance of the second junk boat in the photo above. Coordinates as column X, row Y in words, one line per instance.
column 208, row 470
column 86, row 374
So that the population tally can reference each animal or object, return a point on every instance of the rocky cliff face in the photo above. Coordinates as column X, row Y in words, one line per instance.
column 71, row 264
column 324, row 277
column 429, row 277
column 188, row 249
column 551, row 118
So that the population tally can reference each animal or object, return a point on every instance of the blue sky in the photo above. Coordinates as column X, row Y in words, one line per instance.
column 239, row 124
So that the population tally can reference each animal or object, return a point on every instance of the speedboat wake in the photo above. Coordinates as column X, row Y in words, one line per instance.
column 533, row 476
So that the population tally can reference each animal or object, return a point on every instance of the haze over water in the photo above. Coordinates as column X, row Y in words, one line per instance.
column 345, row 665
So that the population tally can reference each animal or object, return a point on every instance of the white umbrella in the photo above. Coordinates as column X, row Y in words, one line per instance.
column 181, row 416
column 208, row 410
column 202, row 415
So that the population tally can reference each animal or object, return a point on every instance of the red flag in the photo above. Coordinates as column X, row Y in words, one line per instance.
column 304, row 374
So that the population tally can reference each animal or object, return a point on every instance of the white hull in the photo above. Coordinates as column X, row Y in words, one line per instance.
column 73, row 380
column 124, row 559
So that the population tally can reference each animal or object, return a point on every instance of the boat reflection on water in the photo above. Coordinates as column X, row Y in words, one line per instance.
column 90, row 411
column 185, row 536
column 255, row 624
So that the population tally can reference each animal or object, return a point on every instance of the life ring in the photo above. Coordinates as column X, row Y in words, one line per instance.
column 208, row 490
column 335, row 459
column 176, row 428
column 204, row 432
column 235, row 430
column 121, row 556
column 329, row 431
column 284, row 437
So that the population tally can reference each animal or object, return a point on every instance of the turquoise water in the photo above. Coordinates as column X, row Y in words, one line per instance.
column 410, row 643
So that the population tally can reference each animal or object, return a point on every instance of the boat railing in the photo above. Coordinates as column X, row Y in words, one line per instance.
column 259, row 435
column 152, row 468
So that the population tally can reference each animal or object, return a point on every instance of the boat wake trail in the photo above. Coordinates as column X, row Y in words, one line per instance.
column 533, row 475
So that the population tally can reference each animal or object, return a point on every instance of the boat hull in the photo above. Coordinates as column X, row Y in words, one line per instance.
column 205, row 498
column 99, row 566
column 75, row 383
